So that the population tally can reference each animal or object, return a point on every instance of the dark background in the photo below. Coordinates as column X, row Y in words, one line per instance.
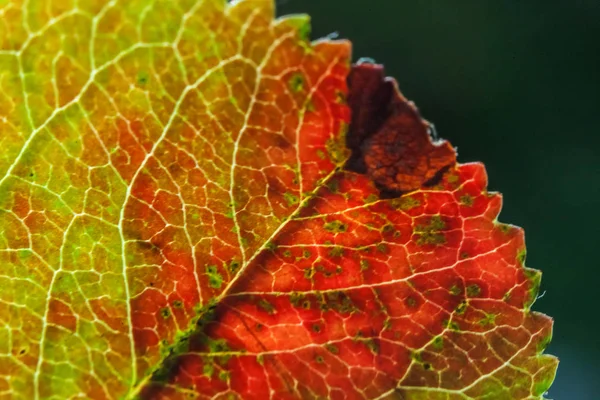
column 516, row 85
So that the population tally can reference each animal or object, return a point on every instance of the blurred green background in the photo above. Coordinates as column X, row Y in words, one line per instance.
column 515, row 84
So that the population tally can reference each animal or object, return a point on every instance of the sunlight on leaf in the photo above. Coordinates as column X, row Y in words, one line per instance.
column 194, row 204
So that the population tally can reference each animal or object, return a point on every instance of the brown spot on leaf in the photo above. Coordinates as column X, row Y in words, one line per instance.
column 388, row 138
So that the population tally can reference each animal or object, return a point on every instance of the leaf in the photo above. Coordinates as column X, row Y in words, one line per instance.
column 185, row 213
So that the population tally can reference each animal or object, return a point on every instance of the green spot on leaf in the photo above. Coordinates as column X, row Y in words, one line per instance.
column 208, row 369
column 217, row 345
column 233, row 266
column 336, row 251
column 266, row 306
column 371, row 198
column 452, row 178
column 461, row 308
column 416, row 356
column 473, row 290
column 430, row 233
column 504, row 228
column 291, row 199
column 332, row 348
column 451, row 325
column 215, row 279
column 296, row 82
column 455, row 290
column 372, row 345
column 333, row 185
column 382, row 247
column 438, row 343
column 309, row 273
column 337, row 150
column 466, row 200
column 296, row 299
column 364, row 265
column 340, row 97
column 143, row 78
column 489, row 319
column 335, row 227
column 224, row 376
column 405, row 203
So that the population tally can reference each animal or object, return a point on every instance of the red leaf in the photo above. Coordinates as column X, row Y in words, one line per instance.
column 186, row 212
column 425, row 293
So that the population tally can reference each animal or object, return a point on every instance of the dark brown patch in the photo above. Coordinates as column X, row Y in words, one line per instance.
column 389, row 140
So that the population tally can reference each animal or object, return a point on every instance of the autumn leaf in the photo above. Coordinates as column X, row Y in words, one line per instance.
column 198, row 202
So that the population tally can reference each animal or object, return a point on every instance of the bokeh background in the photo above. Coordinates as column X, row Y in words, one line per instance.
column 515, row 84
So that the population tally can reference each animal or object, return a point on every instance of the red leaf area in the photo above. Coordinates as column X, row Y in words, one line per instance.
column 421, row 296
